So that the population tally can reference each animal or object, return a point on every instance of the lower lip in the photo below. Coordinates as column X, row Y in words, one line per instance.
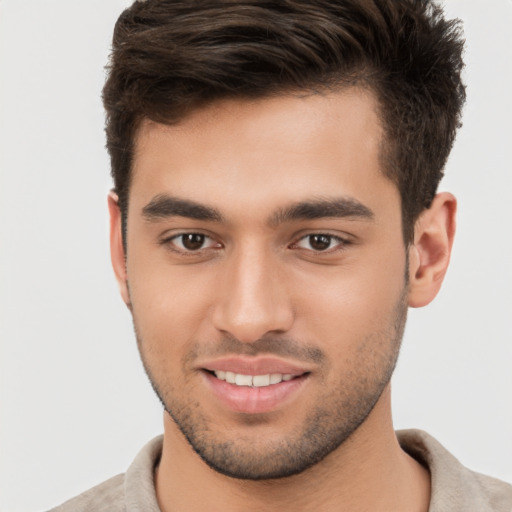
column 255, row 400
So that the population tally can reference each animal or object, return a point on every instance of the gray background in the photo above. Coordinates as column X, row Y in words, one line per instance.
column 75, row 406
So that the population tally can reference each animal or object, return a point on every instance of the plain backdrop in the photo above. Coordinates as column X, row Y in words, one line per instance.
column 75, row 405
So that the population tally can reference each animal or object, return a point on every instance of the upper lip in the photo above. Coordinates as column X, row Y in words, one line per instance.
column 254, row 366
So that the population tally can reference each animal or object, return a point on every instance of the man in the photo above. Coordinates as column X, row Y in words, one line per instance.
column 274, row 215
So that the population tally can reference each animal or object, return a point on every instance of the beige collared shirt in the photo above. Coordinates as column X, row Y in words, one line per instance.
column 454, row 487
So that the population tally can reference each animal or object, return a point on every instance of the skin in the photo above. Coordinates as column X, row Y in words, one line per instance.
column 259, row 287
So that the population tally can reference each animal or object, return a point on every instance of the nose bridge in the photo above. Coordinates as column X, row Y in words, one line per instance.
column 252, row 300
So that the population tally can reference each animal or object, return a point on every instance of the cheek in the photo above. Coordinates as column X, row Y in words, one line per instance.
column 168, row 315
column 169, row 303
column 350, row 303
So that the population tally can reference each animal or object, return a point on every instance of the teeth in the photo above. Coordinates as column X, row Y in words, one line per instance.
column 243, row 380
column 276, row 378
column 257, row 381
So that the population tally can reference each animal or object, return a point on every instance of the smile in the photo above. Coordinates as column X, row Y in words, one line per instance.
column 254, row 381
column 254, row 394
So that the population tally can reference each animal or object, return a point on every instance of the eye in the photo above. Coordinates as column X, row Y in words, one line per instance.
column 191, row 242
column 320, row 242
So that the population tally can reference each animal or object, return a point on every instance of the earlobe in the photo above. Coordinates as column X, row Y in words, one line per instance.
column 429, row 256
column 117, row 254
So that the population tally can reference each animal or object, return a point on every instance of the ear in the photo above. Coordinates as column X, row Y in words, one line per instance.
column 430, row 254
column 117, row 255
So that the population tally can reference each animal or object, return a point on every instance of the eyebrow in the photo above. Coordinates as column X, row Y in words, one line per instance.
column 164, row 206
column 345, row 207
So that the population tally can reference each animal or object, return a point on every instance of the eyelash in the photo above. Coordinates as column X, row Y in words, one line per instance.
column 339, row 243
column 171, row 243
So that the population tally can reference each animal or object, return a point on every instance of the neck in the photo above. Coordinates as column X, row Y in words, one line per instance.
column 369, row 471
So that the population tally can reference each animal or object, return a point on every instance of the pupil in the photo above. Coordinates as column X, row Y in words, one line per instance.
column 193, row 241
column 320, row 242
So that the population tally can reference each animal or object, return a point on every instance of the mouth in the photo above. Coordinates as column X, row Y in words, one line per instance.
column 253, row 381
column 254, row 387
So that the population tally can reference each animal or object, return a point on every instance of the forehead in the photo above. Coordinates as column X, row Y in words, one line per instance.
column 266, row 151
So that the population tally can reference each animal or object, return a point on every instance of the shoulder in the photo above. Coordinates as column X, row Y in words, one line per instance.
column 455, row 487
column 496, row 492
column 133, row 490
column 107, row 496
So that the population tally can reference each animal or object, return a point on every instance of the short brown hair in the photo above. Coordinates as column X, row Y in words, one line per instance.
column 172, row 56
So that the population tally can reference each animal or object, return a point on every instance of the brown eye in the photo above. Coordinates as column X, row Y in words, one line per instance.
column 192, row 242
column 319, row 242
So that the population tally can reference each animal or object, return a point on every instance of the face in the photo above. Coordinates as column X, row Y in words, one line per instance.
column 266, row 276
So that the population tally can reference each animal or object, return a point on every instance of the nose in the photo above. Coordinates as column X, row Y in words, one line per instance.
column 252, row 299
